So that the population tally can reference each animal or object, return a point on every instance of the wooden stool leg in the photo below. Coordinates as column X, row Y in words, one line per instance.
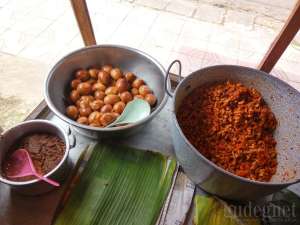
column 282, row 41
column 84, row 21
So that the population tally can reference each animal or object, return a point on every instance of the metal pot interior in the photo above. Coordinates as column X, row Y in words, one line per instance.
column 283, row 100
column 58, row 81
column 13, row 135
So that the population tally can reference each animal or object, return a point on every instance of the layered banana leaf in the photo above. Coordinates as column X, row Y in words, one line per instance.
column 212, row 211
column 119, row 185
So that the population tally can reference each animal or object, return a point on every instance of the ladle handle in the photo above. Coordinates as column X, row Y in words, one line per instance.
column 167, row 80
column 48, row 180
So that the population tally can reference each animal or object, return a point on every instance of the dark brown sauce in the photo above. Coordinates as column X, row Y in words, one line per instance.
column 46, row 152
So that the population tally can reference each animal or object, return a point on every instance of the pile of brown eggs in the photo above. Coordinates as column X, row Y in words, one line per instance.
column 99, row 96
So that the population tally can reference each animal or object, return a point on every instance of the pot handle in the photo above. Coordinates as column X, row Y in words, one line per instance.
column 72, row 138
column 169, row 92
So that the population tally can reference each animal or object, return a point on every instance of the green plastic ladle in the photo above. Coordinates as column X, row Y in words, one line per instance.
column 134, row 111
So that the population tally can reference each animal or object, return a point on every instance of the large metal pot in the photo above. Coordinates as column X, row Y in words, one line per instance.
column 284, row 101
column 128, row 59
column 10, row 137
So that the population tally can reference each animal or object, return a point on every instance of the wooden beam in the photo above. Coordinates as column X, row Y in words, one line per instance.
column 38, row 111
column 84, row 21
column 282, row 41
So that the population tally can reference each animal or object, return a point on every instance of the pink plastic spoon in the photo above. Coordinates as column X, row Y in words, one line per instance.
column 20, row 165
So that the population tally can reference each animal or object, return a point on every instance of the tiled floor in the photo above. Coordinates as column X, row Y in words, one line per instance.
column 46, row 31
column 21, row 88
column 210, row 32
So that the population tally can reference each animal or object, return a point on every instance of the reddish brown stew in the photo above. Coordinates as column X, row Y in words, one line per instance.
column 232, row 126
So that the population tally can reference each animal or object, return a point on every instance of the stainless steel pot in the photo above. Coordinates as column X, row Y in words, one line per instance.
column 128, row 59
column 59, row 173
column 284, row 101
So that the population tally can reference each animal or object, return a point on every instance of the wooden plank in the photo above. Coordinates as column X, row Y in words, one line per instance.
column 84, row 21
column 282, row 41
column 40, row 109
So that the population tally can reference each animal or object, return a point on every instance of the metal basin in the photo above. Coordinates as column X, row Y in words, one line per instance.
column 283, row 100
column 59, row 173
column 128, row 59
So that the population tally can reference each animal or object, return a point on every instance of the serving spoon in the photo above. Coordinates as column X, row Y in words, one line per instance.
column 134, row 111
column 21, row 165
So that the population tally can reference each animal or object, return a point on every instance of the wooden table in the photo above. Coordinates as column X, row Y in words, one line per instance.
column 39, row 210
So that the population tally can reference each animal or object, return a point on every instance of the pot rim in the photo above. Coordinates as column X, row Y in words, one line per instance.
column 202, row 156
column 67, row 150
column 98, row 129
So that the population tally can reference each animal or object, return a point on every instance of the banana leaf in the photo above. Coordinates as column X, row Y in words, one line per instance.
column 213, row 211
column 119, row 185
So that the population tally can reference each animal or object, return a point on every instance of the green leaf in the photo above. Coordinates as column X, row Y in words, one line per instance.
column 212, row 211
column 119, row 185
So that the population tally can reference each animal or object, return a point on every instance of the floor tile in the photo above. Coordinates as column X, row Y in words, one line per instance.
column 249, row 58
column 21, row 7
column 213, row 58
column 109, row 7
column 43, row 49
column 162, row 38
column 3, row 2
column 181, row 7
column 56, row 32
column 3, row 29
column 190, row 45
column 169, row 22
column 129, row 34
column 12, row 41
column 75, row 44
column 97, row 6
column 256, row 44
column 155, row 4
column 223, row 50
column 141, row 16
column 199, row 30
column 189, row 63
column 161, row 54
column 226, row 38
column 50, row 9
column 8, row 17
column 291, row 68
column 31, row 25
column 210, row 13
column 241, row 20
column 292, row 53
column 104, row 26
